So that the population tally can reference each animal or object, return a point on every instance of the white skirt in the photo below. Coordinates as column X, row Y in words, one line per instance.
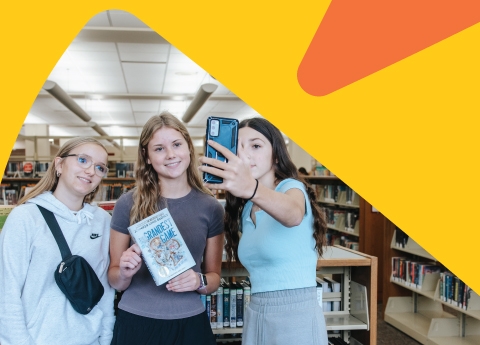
column 286, row 317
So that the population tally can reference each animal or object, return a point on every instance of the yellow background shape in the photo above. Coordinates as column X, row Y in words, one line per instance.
column 404, row 138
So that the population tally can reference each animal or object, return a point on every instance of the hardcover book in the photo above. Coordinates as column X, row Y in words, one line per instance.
column 163, row 248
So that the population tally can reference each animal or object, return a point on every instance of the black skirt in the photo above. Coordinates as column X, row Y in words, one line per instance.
column 139, row 330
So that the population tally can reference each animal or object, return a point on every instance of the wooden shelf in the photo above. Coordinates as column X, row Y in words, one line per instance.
column 473, row 309
column 430, row 294
column 343, row 322
column 356, row 232
column 400, row 314
column 320, row 201
column 227, row 330
column 467, row 340
column 422, row 315
column 335, row 256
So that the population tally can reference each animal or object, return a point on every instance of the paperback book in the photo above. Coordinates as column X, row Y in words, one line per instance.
column 163, row 248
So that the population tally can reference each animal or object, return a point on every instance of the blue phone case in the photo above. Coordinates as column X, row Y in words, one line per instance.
column 227, row 136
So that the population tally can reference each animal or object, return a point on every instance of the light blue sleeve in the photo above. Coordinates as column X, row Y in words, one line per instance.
column 291, row 183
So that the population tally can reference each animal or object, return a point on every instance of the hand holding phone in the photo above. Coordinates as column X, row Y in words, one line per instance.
column 225, row 132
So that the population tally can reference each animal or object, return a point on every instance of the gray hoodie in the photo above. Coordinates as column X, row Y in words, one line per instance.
column 33, row 310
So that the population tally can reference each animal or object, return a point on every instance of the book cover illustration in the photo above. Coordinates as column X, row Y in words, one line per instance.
column 163, row 248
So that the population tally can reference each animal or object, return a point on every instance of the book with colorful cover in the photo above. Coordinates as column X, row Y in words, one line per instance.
column 163, row 248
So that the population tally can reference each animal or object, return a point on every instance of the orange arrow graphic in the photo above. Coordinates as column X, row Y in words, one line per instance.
column 358, row 38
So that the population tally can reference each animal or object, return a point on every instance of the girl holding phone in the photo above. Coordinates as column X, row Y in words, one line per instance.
column 282, row 236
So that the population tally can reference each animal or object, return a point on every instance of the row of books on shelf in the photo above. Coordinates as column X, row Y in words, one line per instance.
column 336, row 341
column 412, row 273
column 454, row 291
column 26, row 169
column 8, row 194
column 426, row 275
column 124, row 169
column 326, row 300
column 113, row 191
column 341, row 219
column 341, row 194
column 107, row 192
column 401, row 238
column 321, row 170
column 334, row 238
column 226, row 307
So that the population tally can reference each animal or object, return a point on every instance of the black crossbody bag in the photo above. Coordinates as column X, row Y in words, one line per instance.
column 74, row 275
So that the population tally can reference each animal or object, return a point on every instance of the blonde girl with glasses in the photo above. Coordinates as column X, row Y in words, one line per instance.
column 166, row 177
column 33, row 310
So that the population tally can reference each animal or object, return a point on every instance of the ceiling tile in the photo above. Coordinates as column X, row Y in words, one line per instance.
column 145, row 105
column 125, row 19
column 100, row 19
column 228, row 106
column 137, row 52
column 144, row 77
column 142, row 118
column 118, row 131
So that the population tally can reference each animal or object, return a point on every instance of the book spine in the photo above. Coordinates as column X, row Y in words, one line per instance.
column 220, row 307
column 208, row 305
column 465, row 296
column 440, row 287
column 226, row 306
column 239, row 306
column 213, row 310
column 233, row 306
column 203, row 298
column 246, row 299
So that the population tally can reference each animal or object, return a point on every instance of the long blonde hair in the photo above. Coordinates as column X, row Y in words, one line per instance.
column 148, row 188
column 50, row 180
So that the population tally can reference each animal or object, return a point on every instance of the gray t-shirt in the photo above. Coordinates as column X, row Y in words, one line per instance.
column 198, row 216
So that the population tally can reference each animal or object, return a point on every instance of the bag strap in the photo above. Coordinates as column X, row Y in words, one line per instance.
column 56, row 231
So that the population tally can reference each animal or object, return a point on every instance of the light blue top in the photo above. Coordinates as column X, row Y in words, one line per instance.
column 278, row 257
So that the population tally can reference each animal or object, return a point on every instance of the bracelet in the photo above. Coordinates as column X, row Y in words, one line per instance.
column 255, row 191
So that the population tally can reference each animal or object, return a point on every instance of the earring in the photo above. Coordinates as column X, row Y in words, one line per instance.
column 94, row 189
column 58, row 173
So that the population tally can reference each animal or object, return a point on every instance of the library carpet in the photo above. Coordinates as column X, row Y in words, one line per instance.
column 389, row 335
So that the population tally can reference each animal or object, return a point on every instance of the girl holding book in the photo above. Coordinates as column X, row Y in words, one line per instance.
column 33, row 309
column 282, row 236
column 166, row 176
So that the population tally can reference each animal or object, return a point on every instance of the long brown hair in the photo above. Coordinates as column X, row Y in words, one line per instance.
column 50, row 180
column 148, row 188
column 284, row 168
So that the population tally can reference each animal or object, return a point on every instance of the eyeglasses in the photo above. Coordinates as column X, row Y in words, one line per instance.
column 85, row 161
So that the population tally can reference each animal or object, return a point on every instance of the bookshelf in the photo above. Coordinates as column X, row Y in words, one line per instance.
column 420, row 312
column 356, row 322
column 357, row 272
column 17, row 184
column 368, row 229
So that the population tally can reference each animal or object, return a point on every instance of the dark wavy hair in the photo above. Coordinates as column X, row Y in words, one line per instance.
column 284, row 168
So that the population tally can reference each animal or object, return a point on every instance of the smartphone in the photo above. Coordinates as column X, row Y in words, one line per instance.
column 225, row 132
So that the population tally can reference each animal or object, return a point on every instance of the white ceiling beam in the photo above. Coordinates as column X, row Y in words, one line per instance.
column 119, row 35
column 109, row 125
